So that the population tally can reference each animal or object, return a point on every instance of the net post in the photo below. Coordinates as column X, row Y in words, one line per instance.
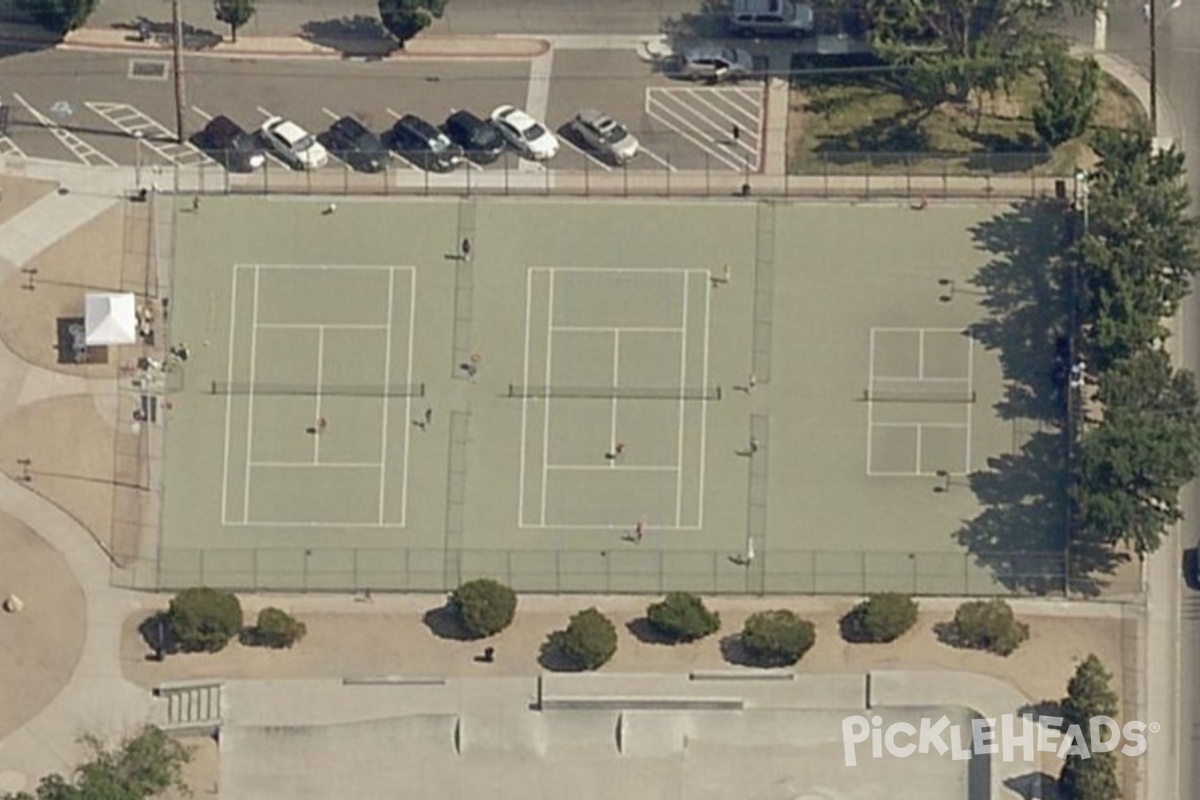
column 718, row 392
column 511, row 391
column 213, row 388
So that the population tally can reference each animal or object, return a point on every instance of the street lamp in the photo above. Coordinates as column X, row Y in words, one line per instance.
column 1081, row 196
column 137, row 159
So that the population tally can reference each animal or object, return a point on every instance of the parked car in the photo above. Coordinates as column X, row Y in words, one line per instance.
column 479, row 139
column 771, row 18
column 353, row 143
column 230, row 144
column 297, row 147
column 605, row 135
column 713, row 63
column 527, row 136
column 424, row 145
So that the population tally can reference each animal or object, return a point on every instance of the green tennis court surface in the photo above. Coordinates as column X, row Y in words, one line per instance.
column 405, row 394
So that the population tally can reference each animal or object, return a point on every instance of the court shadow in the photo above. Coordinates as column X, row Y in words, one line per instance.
column 1027, row 299
column 443, row 623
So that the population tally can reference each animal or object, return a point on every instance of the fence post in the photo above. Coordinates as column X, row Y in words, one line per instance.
column 862, row 561
column 254, row 568
column 558, row 571
column 707, row 176
column 668, row 168
column 661, row 582
column 202, row 565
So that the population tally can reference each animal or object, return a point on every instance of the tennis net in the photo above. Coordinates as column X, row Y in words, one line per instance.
column 615, row 392
column 923, row 395
column 312, row 390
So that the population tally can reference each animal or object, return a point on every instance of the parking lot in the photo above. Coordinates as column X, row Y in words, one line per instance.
column 112, row 101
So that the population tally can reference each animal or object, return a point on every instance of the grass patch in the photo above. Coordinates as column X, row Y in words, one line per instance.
column 868, row 124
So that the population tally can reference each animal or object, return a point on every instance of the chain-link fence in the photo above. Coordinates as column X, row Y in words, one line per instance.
column 634, row 571
column 865, row 176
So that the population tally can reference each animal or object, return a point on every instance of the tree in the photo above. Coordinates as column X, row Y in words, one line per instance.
column 683, row 617
column 988, row 625
column 59, row 16
column 1067, row 106
column 204, row 619
column 141, row 767
column 589, row 640
column 404, row 19
column 949, row 48
column 1092, row 778
column 484, row 607
column 275, row 628
column 234, row 13
column 880, row 618
column 777, row 638
column 1089, row 694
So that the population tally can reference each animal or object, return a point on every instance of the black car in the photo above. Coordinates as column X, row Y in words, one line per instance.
column 478, row 138
column 349, row 140
column 231, row 145
column 424, row 145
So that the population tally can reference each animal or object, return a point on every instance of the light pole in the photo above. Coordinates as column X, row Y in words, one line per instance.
column 1081, row 196
column 137, row 159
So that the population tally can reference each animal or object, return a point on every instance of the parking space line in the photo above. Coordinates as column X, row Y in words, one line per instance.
column 89, row 155
column 330, row 114
column 204, row 114
column 156, row 136
column 647, row 151
column 717, row 154
column 393, row 113
column 584, row 153
column 694, row 94
column 10, row 148
column 263, row 111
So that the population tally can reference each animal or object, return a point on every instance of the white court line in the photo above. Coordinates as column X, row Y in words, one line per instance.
column 921, row 355
column 387, row 402
column 704, row 406
column 305, row 326
column 608, row 527
column 320, row 382
column 676, row 129
column 525, row 401
column 202, row 113
column 229, row 399
column 250, row 402
column 659, row 159
column 412, row 327
column 300, row 524
column 584, row 153
column 970, row 386
column 597, row 467
column 612, row 329
column 546, row 407
column 322, row 465
column 326, row 267
column 683, row 339
column 646, row 270
column 616, row 381
column 870, row 394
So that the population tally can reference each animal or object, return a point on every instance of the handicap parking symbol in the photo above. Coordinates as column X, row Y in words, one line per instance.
column 62, row 109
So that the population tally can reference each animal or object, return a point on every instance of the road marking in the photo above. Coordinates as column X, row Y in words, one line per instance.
column 264, row 112
column 330, row 114
column 585, row 153
column 10, row 148
column 710, row 117
column 393, row 113
column 155, row 136
column 78, row 147
column 204, row 114
column 663, row 162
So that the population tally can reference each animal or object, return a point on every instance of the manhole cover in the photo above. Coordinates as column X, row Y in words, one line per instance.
column 147, row 70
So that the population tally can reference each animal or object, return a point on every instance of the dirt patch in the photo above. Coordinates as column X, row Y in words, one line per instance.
column 43, row 643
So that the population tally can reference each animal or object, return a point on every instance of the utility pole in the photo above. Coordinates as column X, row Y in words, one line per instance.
column 1153, row 68
column 177, row 55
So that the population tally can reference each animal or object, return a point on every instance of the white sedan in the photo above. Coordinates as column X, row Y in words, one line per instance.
column 296, row 146
column 528, row 136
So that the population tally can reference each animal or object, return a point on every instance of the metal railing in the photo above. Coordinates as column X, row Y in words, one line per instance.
column 621, row 571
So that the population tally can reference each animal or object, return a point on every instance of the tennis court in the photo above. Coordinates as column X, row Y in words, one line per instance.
column 319, row 364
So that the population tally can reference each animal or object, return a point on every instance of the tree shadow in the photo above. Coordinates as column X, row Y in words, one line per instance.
column 162, row 33
column 552, row 658
column 156, row 633
column 1034, row 786
column 644, row 632
column 948, row 634
column 733, row 651
column 899, row 134
column 710, row 22
column 359, row 36
column 443, row 623
column 1041, row 709
column 851, row 630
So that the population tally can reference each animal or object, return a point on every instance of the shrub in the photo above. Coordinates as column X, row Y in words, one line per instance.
column 682, row 616
column 484, row 607
column 275, row 628
column 203, row 619
column 777, row 638
column 1092, row 778
column 1089, row 694
column 880, row 618
column 589, row 641
column 989, row 625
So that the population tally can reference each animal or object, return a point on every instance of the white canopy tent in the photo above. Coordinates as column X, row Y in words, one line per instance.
column 110, row 318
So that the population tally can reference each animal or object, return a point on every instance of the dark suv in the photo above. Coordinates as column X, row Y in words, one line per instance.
column 479, row 138
column 349, row 140
column 424, row 145
column 231, row 145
